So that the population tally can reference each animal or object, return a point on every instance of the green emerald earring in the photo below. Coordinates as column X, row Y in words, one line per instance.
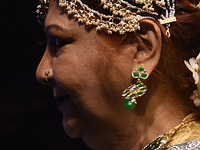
column 135, row 90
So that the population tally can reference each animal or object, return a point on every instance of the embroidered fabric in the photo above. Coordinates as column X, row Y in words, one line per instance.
column 185, row 136
column 188, row 132
column 191, row 145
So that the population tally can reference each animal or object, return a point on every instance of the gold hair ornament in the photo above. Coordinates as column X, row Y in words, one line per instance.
column 123, row 17
column 42, row 10
column 135, row 90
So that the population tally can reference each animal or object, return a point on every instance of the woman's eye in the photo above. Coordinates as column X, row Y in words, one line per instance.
column 60, row 43
column 57, row 42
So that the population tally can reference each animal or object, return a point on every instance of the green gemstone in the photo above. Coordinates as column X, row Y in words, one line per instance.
column 144, row 75
column 138, row 84
column 129, row 104
column 136, row 74
column 125, row 94
column 141, row 85
column 140, row 93
column 126, row 91
column 143, row 89
column 141, row 69
column 132, row 96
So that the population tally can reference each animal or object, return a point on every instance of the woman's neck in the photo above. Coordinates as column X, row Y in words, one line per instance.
column 163, row 111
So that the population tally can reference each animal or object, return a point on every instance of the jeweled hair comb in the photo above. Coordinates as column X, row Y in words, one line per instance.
column 122, row 17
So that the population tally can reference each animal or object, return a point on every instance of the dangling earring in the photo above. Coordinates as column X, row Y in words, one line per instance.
column 135, row 90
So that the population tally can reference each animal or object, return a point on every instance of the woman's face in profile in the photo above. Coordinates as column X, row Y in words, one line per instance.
column 89, row 77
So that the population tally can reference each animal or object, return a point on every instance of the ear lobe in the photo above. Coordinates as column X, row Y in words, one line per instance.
column 149, row 39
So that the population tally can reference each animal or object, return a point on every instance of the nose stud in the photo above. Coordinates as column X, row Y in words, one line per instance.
column 46, row 73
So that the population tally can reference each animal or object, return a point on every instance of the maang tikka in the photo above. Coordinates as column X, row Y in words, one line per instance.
column 135, row 90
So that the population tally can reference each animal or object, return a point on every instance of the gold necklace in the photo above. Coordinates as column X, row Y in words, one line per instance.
column 161, row 141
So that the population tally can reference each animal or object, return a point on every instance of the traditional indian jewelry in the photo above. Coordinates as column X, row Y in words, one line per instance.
column 194, row 66
column 195, row 98
column 135, row 90
column 160, row 143
column 42, row 10
column 122, row 16
column 46, row 73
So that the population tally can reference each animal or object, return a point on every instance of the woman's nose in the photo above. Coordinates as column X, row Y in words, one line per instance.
column 44, row 71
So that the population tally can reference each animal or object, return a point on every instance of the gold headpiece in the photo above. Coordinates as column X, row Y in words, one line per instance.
column 42, row 10
column 122, row 17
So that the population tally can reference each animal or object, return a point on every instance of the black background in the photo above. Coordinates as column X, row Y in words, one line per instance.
column 30, row 119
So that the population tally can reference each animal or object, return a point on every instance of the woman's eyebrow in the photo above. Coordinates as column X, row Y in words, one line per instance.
column 57, row 29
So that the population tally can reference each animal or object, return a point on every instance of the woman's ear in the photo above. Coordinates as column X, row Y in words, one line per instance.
column 149, row 39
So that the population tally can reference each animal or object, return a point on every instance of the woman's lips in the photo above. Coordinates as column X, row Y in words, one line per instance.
column 60, row 99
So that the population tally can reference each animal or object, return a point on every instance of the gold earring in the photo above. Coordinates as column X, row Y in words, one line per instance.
column 135, row 90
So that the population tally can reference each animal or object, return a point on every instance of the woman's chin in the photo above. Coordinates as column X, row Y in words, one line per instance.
column 72, row 127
